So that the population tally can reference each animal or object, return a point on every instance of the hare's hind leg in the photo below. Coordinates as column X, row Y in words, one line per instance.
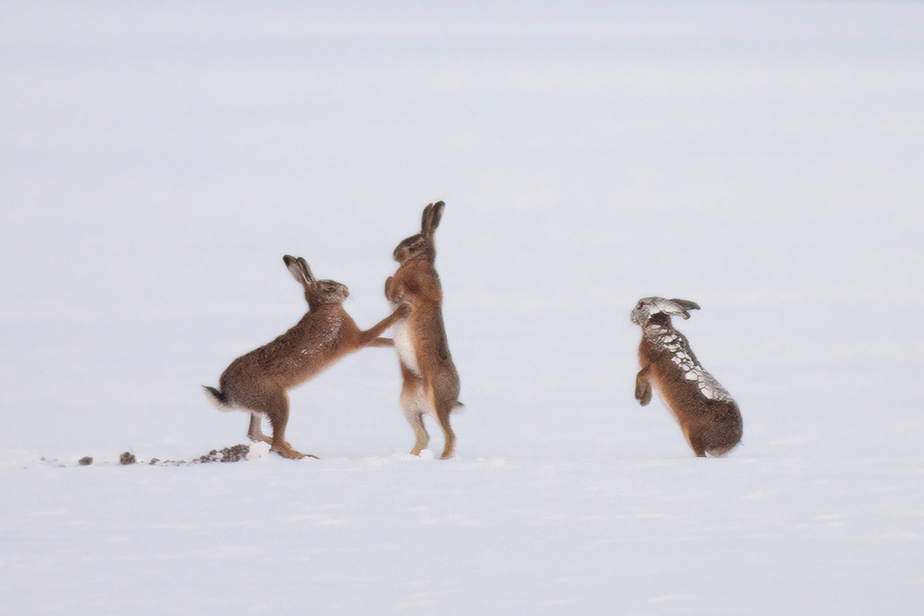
column 414, row 406
column 443, row 402
column 694, row 436
column 255, row 433
column 449, row 437
column 277, row 409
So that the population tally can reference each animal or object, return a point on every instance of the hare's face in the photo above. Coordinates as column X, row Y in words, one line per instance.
column 330, row 292
column 410, row 248
column 648, row 307
column 643, row 310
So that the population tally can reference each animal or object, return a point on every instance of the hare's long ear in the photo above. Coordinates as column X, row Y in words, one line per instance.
column 431, row 218
column 683, row 306
column 425, row 219
column 435, row 216
column 299, row 270
column 310, row 277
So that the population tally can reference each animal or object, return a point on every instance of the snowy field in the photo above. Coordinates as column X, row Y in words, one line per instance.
column 764, row 159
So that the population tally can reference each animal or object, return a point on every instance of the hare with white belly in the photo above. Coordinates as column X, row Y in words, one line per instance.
column 430, row 381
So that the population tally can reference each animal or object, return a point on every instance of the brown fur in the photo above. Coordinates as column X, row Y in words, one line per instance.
column 430, row 380
column 258, row 381
column 710, row 425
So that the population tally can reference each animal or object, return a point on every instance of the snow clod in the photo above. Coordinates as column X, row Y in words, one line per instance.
column 257, row 451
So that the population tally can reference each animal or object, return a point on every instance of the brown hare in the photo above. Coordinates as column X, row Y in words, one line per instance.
column 257, row 382
column 709, row 418
column 431, row 383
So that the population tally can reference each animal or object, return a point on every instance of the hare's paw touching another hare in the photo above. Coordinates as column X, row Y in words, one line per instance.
column 431, row 383
column 257, row 381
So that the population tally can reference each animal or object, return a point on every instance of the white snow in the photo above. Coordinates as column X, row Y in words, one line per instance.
column 258, row 450
column 762, row 159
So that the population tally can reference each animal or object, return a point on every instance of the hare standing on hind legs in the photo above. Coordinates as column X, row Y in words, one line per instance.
column 431, row 383
column 257, row 382
column 709, row 418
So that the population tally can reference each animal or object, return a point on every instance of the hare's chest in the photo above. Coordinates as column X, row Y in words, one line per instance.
column 401, row 334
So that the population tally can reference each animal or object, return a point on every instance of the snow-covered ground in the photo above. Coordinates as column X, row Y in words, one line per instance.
column 763, row 159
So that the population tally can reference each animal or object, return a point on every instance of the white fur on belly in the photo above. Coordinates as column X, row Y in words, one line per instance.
column 402, row 337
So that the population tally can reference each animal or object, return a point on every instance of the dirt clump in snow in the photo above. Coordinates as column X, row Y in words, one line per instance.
column 235, row 453
column 228, row 454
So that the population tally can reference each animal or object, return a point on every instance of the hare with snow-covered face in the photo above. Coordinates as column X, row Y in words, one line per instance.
column 257, row 382
column 431, row 383
column 709, row 418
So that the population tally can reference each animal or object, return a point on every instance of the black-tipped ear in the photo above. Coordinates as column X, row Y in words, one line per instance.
column 431, row 218
column 425, row 219
column 310, row 276
column 437, row 215
column 685, row 305
column 299, row 269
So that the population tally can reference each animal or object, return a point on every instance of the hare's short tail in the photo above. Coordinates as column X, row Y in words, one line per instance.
column 217, row 398
column 458, row 408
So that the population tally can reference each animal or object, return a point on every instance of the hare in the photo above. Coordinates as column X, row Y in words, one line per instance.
column 709, row 418
column 431, row 383
column 257, row 382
